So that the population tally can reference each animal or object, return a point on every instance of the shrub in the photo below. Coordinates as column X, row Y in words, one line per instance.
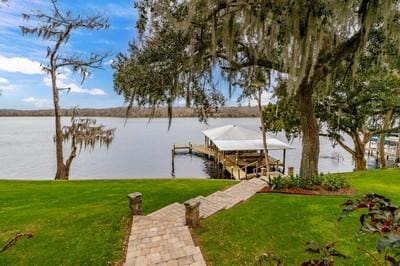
column 324, row 254
column 278, row 182
column 328, row 182
column 334, row 182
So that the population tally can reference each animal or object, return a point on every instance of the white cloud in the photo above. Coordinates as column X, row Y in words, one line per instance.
column 64, row 82
column 109, row 62
column 266, row 97
column 4, row 81
column 20, row 65
column 38, row 102
column 5, row 85
column 76, row 89
column 7, row 88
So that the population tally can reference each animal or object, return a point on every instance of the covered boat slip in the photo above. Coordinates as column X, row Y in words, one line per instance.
column 239, row 151
column 391, row 150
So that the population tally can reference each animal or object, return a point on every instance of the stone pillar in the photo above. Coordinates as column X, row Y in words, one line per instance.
column 192, row 213
column 135, row 203
column 291, row 171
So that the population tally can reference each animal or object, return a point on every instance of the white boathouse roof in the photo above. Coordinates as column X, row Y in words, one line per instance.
column 237, row 138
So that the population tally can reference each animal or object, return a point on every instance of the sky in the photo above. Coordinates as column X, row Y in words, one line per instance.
column 23, row 85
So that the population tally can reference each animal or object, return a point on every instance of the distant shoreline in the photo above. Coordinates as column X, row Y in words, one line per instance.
column 161, row 112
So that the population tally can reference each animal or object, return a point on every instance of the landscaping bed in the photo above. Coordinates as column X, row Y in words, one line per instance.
column 317, row 191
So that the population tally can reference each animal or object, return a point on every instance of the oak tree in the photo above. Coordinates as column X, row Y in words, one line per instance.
column 306, row 41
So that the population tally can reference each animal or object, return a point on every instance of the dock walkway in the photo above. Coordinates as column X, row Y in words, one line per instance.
column 162, row 238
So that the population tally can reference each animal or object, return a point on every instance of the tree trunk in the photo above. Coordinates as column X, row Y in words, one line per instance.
column 360, row 162
column 359, row 153
column 310, row 132
column 61, row 173
column 71, row 157
column 397, row 160
column 386, row 125
column 264, row 133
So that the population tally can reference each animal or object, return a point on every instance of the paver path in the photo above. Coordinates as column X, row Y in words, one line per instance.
column 162, row 238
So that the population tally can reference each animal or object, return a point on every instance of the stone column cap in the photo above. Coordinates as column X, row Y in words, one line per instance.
column 192, row 203
column 134, row 195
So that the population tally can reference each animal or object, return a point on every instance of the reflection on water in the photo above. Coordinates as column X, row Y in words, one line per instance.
column 140, row 150
column 210, row 168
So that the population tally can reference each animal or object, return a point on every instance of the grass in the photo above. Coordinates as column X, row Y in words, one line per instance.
column 81, row 222
column 85, row 222
column 284, row 223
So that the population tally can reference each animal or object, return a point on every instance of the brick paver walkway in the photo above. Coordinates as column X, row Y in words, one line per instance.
column 162, row 238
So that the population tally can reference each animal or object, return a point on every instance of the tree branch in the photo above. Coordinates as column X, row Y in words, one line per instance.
column 95, row 61
column 383, row 131
column 329, row 61
column 12, row 241
column 341, row 143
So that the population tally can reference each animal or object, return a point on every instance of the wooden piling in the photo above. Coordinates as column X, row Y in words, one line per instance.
column 257, row 169
column 284, row 161
column 291, row 171
column 173, row 161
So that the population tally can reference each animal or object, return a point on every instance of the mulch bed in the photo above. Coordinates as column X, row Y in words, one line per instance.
column 317, row 191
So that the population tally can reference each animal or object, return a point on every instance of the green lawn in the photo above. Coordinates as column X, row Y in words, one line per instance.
column 84, row 222
column 284, row 223
column 81, row 222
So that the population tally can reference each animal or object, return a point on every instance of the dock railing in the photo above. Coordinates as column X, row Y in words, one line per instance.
column 244, row 168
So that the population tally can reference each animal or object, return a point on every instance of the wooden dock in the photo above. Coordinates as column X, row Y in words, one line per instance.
column 237, row 168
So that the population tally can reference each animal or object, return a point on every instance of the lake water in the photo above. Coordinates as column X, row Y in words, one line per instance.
column 140, row 149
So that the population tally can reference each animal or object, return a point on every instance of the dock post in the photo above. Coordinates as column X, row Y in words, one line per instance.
column 173, row 161
column 190, row 148
column 369, row 148
column 135, row 203
column 284, row 161
column 256, row 169
column 291, row 171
